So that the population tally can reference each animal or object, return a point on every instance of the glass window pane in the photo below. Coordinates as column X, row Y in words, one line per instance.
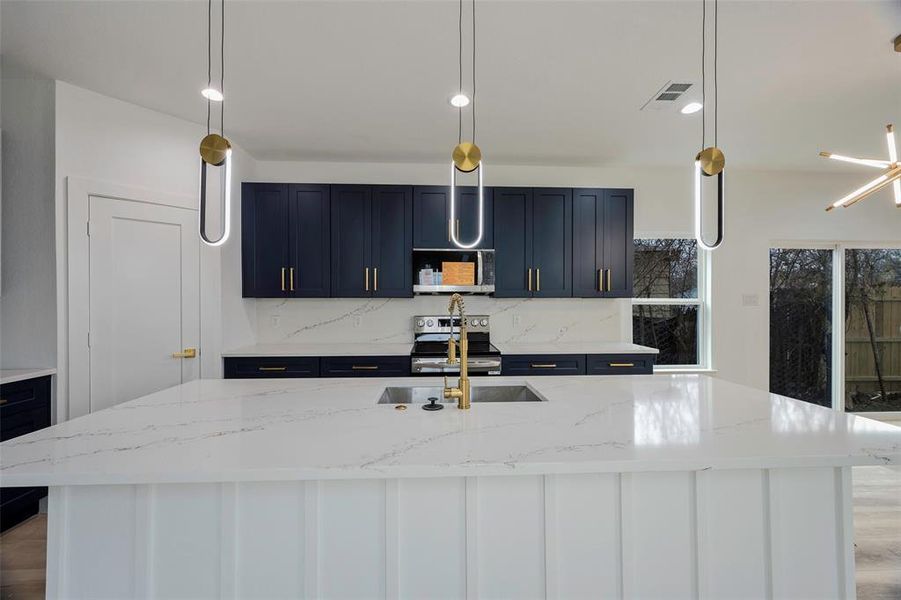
column 801, row 324
column 666, row 268
column 873, row 330
column 672, row 329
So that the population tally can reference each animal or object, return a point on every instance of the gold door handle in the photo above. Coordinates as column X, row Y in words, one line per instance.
column 365, row 368
column 375, row 279
column 543, row 365
column 186, row 353
column 292, row 278
column 621, row 364
column 273, row 368
column 600, row 280
column 367, row 279
column 530, row 279
column 283, row 279
column 609, row 285
column 538, row 279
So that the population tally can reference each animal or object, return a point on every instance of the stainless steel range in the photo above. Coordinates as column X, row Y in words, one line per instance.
column 431, row 334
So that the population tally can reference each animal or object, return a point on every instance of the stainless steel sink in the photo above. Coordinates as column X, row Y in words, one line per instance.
column 493, row 393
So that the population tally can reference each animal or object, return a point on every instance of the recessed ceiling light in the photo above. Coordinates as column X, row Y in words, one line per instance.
column 459, row 100
column 691, row 108
column 212, row 94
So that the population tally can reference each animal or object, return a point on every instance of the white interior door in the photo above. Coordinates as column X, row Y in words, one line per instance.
column 144, row 298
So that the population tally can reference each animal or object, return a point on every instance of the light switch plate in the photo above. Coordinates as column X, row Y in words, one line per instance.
column 750, row 300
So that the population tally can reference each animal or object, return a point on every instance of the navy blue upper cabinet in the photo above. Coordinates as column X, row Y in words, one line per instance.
column 552, row 242
column 392, row 241
column 309, row 216
column 351, row 241
column 512, row 242
column 431, row 216
column 372, row 241
column 533, row 242
column 284, row 240
column 602, row 243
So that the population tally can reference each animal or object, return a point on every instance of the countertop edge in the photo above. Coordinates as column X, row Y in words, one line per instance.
column 427, row 471
column 24, row 374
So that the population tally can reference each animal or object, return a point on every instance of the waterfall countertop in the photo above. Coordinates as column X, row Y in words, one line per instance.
column 297, row 429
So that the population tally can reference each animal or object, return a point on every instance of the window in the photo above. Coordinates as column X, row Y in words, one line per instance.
column 801, row 324
column 668, row 306
column 835, row 326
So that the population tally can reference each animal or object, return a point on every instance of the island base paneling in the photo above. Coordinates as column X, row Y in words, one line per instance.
column 747, row 533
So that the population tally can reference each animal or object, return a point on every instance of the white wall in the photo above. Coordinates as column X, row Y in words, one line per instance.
column 28, row 292
column 102, row 139
column 762, row 208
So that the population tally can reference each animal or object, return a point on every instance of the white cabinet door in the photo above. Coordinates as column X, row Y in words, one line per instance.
column 144, row 298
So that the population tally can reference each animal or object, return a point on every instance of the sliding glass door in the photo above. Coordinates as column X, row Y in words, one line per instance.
column 872, row 361
column 835, row 326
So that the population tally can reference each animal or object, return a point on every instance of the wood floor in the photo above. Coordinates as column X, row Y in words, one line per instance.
column 877, row 525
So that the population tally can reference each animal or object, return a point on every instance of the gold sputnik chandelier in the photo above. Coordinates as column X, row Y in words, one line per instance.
column 891, row 176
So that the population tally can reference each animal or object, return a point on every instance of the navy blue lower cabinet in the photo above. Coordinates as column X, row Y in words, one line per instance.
column 543, row 364
column 261, row 367
column 620, row 364
column 24, row 407
column 365, row 366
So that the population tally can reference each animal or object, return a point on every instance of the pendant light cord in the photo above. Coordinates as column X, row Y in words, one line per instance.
column 209, row 57
column 460, row 69
column 222, row 74
column 703, row 73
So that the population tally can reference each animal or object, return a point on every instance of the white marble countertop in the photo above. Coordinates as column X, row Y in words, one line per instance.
column 12, row 375
column 296, row 429
column 323, row 349
column 573, row 348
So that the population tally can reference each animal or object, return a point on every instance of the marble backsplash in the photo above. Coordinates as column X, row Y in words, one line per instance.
column 390, row 320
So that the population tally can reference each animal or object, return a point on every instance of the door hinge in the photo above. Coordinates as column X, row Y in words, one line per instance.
column 88, row 228
column 89, row 339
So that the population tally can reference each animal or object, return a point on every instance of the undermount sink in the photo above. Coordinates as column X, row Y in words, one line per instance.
column 492, row 393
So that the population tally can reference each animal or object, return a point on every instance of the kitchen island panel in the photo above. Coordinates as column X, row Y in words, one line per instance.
column 619, row 535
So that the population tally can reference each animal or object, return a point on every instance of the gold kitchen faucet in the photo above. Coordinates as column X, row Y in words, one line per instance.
column 461, row 392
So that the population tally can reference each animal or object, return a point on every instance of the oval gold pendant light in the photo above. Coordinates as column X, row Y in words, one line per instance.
column 711, row 161
column 215, row 149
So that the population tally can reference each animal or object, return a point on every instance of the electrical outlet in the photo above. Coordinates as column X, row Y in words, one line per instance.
column 517, row 320
column 274, row 320
column 358, row 321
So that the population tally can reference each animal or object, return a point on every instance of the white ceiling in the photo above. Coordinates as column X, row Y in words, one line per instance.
column 559, row 82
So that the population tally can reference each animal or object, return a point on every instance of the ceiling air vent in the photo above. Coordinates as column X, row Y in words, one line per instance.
column 667, row 96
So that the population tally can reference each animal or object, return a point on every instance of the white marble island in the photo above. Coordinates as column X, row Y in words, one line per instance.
column 635, row 486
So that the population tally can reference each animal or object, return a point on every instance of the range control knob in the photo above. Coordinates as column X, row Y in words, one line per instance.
column 430, row 322
column 484, row 322
column 420, row 323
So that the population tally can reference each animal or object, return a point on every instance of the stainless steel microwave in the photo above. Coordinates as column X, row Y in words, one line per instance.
column 433, row 257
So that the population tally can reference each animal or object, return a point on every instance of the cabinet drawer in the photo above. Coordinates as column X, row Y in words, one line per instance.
column 366, row 366
column 24, row 407
column 544, row 364
column 271, row 367
column 620, row 364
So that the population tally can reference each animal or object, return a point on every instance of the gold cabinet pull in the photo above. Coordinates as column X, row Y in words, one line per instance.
column 450, row 228
column 530, row 279
column 458, row 229
column 283, row 279
column 186, row 353
column 600, row 280
column 609, row 284
column 367, row 279
column 273, row 368
column 543, row 365
column 292, row 278
column 538, row 279
column 3, row 401
column 375, row 279
column 365, row 368
column 621, row 364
